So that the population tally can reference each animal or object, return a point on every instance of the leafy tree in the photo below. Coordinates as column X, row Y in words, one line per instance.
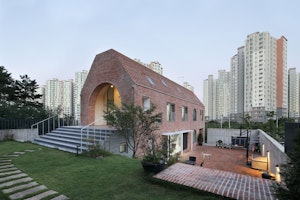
column 290, row 173
column 19, row 98
column 134, row 123
column 6, row 86
column 25, row 92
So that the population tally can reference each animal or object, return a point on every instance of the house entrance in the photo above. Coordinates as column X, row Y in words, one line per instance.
column 108, row 94
column 185, row 140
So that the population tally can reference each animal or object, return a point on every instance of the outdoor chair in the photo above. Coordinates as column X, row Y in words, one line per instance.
column 191, row 160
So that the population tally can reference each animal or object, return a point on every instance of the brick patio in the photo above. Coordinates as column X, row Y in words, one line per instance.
column 225, row 173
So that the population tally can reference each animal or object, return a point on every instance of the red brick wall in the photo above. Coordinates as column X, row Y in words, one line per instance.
column 106, row 69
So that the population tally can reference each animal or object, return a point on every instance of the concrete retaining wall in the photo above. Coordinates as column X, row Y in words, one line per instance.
column 215, row 134
column 21, row 135
column 276, row 150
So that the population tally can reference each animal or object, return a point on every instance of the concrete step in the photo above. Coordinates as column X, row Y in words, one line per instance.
column 6, row 166
column 14, row 182
column 20, row 187
column 8, row 169
column 42, row 195
column 69, row 138
column 8, row 178
column 4, row 161
column 24, row 193
column 60, row 197
column 10, row 173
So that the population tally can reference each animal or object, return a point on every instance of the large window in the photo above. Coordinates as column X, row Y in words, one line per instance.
column 146, row 103
column 201, row 115
column 194, row 115
column 184, row 114
column 170, row 112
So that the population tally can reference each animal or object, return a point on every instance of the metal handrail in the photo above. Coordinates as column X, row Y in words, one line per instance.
column 87, row 132
column 43, row 124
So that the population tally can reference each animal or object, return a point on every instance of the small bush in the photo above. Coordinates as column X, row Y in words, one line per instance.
column 8, row 137
column 96, row 150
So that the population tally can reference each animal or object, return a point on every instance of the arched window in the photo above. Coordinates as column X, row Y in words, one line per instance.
column 194, row 115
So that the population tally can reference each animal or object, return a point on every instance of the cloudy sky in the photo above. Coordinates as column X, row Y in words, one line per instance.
column 192, row 39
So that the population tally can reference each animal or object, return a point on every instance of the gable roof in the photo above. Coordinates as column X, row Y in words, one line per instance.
column 145, row 77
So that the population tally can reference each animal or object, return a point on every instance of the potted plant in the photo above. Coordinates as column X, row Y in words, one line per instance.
column 200, row 139
column 154, row 156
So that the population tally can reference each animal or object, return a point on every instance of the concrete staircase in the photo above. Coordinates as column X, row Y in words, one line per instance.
column 68, row 138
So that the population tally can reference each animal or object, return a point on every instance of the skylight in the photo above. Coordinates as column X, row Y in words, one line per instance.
column 163, row 82
column 150, row 80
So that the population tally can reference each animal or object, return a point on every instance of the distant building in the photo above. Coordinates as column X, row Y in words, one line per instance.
column 237, row 86
column 59, row 96
column 265, row 83
column 154, row 65
column 257, row 83
column 80, row 78
column 188, row 86
column 223, row 95
column 209, row 98
column 294, row 93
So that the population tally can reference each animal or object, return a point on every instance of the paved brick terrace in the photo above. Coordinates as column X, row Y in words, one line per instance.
column 225, row 173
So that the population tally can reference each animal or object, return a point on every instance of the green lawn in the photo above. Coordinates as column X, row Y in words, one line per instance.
column 112, row 177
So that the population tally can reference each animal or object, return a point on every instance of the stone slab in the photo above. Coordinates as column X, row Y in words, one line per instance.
column 8, row 169
column 4, row 163
column 29, row 150
column 19, row 187
column 6, row 166
column 24, row 193
column 10, row 173
column 4, row 160
column 7, row 178
column 19, row 152
column 10, row 183
column 11, row 155
column 42, row 195
column 60, row 197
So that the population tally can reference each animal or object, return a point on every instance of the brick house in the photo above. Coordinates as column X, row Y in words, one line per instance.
column 115, row 77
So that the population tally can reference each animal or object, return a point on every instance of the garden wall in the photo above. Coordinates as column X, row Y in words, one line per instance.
column 276, row 150
column 21, row 135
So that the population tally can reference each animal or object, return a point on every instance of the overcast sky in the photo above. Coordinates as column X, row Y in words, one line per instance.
column 192, row 39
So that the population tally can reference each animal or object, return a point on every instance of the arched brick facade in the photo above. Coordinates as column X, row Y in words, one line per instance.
column 136, row 82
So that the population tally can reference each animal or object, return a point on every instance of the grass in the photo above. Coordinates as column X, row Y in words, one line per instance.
column 112, row 177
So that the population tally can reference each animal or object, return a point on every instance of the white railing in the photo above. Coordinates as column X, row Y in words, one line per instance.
column 88, row 128
column 48, row 121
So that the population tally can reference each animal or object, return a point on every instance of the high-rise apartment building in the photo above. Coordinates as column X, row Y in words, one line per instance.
column 59, row 96
column 67, row 97
column 223, row 94
column 258, row 82
column 294, row 93
column 282, row 78
column 237, row 86
column 188, row 86
column 80, row 78
column 265, row 78
column 156, row 66
column 209, row 95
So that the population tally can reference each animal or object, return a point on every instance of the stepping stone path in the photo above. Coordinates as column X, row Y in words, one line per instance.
column 17, row 185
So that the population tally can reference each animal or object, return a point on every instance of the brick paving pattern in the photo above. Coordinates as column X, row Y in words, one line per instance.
column 224, row 173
